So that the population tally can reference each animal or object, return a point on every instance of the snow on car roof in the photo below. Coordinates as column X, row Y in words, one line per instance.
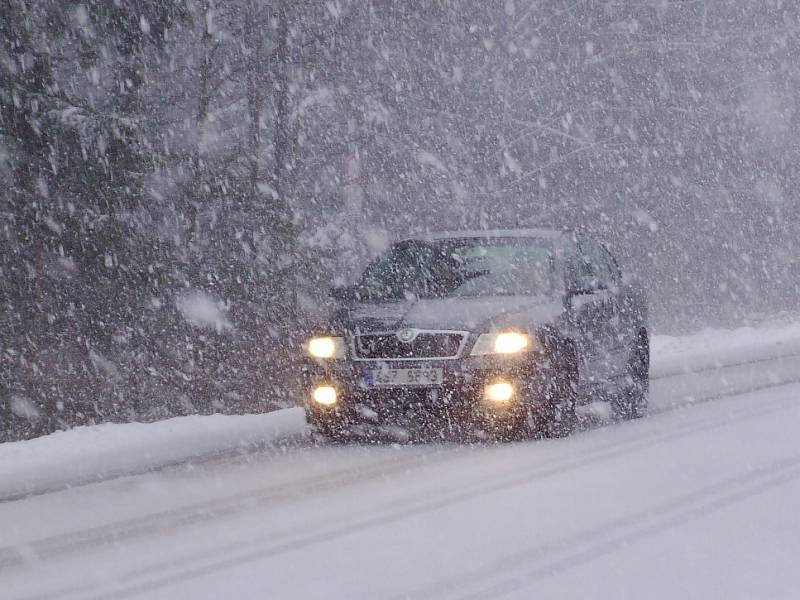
column 489, row 233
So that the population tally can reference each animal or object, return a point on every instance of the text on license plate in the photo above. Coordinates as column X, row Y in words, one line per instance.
column 426, row 376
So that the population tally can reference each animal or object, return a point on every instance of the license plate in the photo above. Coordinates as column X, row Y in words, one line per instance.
column 425, row 376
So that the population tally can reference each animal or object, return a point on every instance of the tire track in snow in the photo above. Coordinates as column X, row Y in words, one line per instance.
column 12, row 556
column 261, row 498
column 273, row 495
column 236, row 554
column 522, row 569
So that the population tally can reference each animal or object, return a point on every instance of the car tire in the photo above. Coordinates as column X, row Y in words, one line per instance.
column 632, row 402
column 560, row 417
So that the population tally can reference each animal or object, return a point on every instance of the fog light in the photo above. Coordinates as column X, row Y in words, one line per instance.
column 324, row 394
column 499, row 392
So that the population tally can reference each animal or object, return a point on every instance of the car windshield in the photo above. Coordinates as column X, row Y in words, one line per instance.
column 459, row 268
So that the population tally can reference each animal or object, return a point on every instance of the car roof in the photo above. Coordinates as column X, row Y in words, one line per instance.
column 489, row 233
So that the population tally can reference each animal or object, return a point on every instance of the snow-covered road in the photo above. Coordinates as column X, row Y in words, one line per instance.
column 698, row 500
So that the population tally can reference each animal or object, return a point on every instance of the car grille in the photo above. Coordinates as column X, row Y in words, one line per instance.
column 424, row 345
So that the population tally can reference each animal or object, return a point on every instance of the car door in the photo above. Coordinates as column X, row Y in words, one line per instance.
column 593, row 307
column 618, row 328
column 630, row 314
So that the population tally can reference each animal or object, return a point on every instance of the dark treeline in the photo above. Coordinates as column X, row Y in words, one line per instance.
column 182, row 181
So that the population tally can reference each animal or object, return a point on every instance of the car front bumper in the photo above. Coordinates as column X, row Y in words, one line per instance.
column 458, row 403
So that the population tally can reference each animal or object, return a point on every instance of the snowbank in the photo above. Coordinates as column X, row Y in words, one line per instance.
column 715, row 348
column 87, row 454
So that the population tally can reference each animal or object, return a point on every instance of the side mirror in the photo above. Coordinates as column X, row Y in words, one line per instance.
column 343, row 293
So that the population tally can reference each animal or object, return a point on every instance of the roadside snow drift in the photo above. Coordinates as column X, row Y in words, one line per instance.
column 87, row 454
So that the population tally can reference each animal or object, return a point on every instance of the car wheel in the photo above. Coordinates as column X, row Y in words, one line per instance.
column 632, row 402
column 560, row 418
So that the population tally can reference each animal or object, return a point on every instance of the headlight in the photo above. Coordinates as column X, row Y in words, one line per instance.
column 325, row 395
column 507, row 342
column 500, row 391
column 326, row 347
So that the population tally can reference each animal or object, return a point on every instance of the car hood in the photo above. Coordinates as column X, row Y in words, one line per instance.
column 469, row 314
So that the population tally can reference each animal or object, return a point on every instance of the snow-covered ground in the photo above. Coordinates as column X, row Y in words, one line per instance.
column 697, row 500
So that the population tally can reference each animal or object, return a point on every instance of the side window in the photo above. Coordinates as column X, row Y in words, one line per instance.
column 583, row 265
column 594, row 261
column 613, row 266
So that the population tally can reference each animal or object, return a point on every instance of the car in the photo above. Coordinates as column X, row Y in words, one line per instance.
column 487, row 334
